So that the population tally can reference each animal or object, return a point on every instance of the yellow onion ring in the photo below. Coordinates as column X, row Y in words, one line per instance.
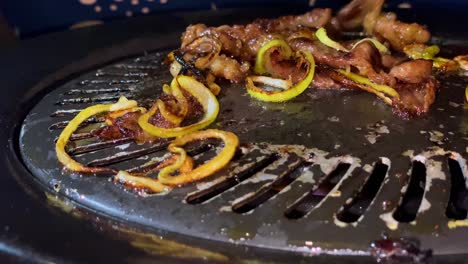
column 203, row 95
column 230, row 141
column 378, row 87
column 322, row 36
column 381, row 47
column 142, row 182
column 263, row 58
column 73, row 125
column 182, row 103
column 285, row 94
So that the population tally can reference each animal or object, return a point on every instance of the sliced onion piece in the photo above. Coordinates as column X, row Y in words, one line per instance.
column 182, row 103
column 287, row 93
column 263, row 57
column 141, row 182
column 378, row 89
column 202, row 94
column 230, row 140
column 63, row 157
column 381, row 47
column 273, row 82
column 322, row 36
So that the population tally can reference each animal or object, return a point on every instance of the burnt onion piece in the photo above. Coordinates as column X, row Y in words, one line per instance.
column 186, row 66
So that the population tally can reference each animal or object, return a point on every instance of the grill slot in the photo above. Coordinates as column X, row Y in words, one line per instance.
column 231, row 181
column 85, row 100
column 266, row 192
column 116, row 74
column 99, row 91
column 61, row 112
column 98, row 146
column 308, row 202
column 63, row 124
column 457, row 205
column 352, row 211
column 109, row 82
column 124, row 156
column 79, row 136
column 408, row 208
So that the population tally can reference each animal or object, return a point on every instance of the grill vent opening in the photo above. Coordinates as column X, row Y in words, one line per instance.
column 119, row 157
column 408, row 208
column 353, row 210
column 308, row 202
column 98, row 146
column 63, row 124
column 95, row 99
column 99, row 91
column 457, row 205
column 231, row 181
column 268, row 191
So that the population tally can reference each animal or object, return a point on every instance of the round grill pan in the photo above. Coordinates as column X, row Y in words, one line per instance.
column 326, row 173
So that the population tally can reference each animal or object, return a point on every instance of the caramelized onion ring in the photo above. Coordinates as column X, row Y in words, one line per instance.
column 203, row 95
column 63, row 157
column 230, row 141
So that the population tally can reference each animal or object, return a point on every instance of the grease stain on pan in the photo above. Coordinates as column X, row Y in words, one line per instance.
column 436, row 137
column 390, row 222
column 385, row 161
column 307, row 176
column 375, row 131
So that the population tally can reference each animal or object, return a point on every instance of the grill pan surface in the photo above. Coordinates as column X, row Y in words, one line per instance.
column 322, row 130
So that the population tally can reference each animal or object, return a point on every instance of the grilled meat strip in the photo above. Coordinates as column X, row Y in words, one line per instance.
column 229, row 51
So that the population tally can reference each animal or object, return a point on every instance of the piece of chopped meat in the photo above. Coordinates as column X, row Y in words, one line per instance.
column 229, row 68
column 415, row 99
column 285, row 68
column 368, row 60
column 124, row 126
column 415, row 71
column 323, row 79
column 243, row 41
column 365, row 58
column 357, row 12
column 400, row 34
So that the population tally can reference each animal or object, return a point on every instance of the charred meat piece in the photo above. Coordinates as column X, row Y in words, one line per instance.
column 399, row 34
column 412, row 71
column 230, row 51
column 359, row 12
column 367, row 13
column 124, row 126
column 127, row 125
column 415, row 99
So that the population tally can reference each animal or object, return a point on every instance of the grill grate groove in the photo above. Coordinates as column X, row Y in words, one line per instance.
column 231, row 181
column 124, row 156
column 63, row 124
column 353, row 210
column 99, row 91
column 98, row 146
column 458, row 201
column 308, row 202
column 267, row 192
column 86, row 100
column 411, row 202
